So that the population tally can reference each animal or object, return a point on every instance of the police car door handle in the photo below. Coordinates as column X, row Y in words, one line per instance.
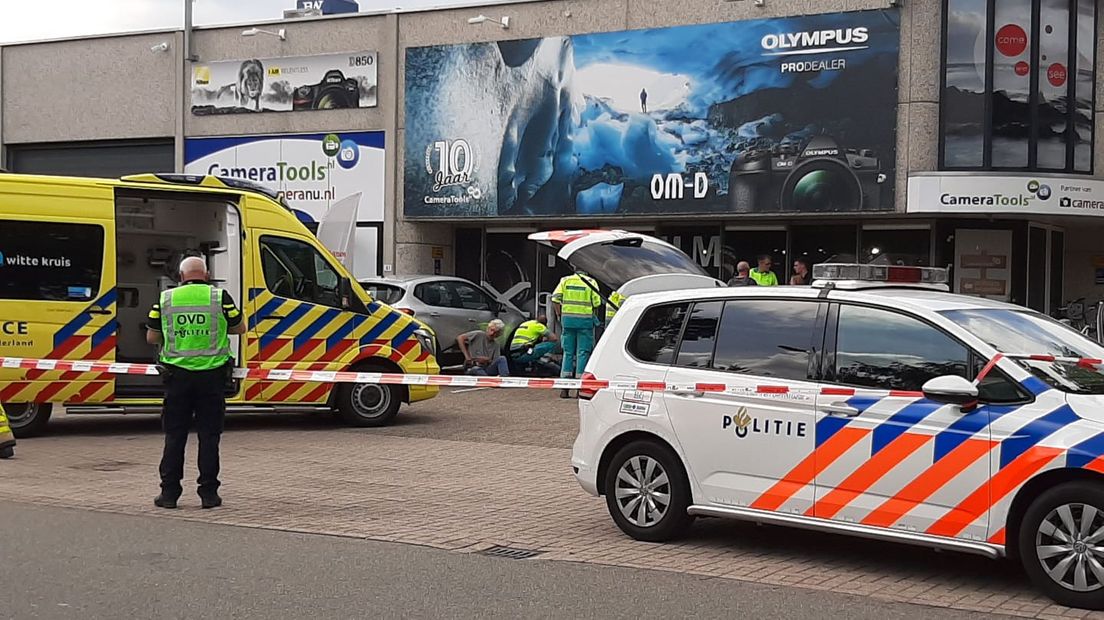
column 841, row 410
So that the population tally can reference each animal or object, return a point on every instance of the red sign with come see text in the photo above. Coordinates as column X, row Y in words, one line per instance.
column 1011, row 40
column 1057, row 74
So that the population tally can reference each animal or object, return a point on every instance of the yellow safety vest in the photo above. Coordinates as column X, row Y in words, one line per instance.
column 7, row 439
column 576, row 297
column 528, row 333
column 615, row 298
column 764, row 279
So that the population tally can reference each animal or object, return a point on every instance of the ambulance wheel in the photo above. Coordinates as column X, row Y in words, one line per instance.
column 28, row 419
column 368, row 404
column 647, row 492
column 1061, row 544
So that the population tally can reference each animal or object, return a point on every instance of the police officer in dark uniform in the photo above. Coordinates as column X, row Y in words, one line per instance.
column 193, row 323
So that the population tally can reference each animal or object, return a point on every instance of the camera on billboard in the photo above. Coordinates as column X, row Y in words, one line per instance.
column 348, row 154
column 335, row 91
column 821, row 177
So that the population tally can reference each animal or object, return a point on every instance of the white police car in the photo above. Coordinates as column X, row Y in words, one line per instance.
column 873, row 403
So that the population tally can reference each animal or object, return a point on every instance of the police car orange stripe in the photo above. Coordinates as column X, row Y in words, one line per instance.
column 808, row 469
column 867, row 474
column 931, row 480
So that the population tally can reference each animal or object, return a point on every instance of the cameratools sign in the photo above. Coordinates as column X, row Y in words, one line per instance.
column 766, row 116
column 336, row 81
column 1005, row 194
column 333, row 183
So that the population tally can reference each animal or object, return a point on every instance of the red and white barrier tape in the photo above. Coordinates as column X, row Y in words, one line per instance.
column 1084, row 362
column 322, row 376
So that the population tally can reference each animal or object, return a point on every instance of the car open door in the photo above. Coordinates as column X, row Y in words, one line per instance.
column 630, row 263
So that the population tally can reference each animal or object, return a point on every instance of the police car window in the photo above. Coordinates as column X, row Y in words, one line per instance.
column 890, row 351
column 50, row 261
column 700, row 335
column 294, row 269
column 657, row 334
column 767, row 337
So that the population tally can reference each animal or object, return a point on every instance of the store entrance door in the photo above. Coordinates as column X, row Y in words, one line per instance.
column 1045, row 252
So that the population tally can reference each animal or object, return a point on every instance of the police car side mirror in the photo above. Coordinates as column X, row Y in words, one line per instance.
column 952, row 390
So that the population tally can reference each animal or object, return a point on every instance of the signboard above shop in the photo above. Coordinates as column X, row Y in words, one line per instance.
column 1005, row 195
column 325, row 82
column 786, row 115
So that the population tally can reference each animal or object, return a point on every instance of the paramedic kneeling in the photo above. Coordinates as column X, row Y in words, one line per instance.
column 192, row 323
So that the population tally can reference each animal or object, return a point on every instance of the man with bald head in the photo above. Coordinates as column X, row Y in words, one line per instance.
column 192, row 323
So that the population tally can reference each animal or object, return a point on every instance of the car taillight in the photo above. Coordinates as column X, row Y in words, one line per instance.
column 406, row 311
column 584, row 393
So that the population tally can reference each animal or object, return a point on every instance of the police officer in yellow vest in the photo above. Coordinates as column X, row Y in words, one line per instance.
column 193, row 323
column 7, row 439
column 576, row 297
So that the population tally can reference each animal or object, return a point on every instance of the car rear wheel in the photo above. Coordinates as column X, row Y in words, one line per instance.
column 368, row 404
column 28, row 419
column 647, row 492
column 1061, row 544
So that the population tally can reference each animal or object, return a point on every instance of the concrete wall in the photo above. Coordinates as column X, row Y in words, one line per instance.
column 90, row 89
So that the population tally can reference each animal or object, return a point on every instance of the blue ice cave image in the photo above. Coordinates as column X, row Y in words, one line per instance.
column 789, row 114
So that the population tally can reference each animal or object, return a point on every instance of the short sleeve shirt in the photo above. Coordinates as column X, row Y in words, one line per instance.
column 479, row 345
column 229, row 310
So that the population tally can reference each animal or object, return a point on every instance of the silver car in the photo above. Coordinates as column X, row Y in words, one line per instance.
column 450, row 306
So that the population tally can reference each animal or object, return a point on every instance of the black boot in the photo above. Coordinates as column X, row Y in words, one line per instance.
column 565, row 393
column 210, row 500
column 164, row 502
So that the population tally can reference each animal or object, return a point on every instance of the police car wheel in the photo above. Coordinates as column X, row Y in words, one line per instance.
column 368, row 404
column 28, row 419
column 1061, row 544
column 647, row 492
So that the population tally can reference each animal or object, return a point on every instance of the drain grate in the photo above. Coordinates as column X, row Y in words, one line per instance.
column 511, row 553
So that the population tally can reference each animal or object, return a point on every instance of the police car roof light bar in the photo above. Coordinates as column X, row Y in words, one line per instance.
column 891, row 274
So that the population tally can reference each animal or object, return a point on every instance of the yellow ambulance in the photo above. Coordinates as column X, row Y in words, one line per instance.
column 82, row 261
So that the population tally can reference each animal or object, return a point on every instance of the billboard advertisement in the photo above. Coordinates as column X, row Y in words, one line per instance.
column 333, row 182
column 325, row 82
column 785, row 115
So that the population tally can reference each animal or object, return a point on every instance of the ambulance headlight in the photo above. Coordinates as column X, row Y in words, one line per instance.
column 426, row 339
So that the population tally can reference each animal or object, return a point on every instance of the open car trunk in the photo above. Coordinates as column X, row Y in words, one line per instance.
column 629, row 263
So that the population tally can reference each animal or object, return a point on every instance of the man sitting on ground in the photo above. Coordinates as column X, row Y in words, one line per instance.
column 482, row 352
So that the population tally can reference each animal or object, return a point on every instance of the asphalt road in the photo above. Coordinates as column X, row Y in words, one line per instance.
column 64, row 563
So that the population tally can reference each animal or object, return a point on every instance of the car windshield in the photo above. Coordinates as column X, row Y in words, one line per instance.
column 1031, row 333
column 387, row 293
column 617, row 262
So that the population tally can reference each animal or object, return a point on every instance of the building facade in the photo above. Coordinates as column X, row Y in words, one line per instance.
column 956, row 133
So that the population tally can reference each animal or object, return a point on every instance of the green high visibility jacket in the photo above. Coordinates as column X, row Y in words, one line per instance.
column 528, row 333
column 576, row 297
column 616, row 300
column 194, row 328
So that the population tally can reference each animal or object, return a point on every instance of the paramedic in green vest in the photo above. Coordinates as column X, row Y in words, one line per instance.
column 7, row 439
column 576, row 297
column 193, row 323
column 532, row 341
column 616, row 300
column 762, row 274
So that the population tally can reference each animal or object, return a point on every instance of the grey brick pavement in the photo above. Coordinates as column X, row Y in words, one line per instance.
column 407, row 484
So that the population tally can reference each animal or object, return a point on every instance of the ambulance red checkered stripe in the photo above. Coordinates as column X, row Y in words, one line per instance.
column 274, row 375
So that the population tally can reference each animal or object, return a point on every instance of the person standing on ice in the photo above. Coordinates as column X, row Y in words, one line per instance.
column 644, row 100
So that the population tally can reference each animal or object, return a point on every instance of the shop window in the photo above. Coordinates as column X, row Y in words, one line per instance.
column 1011, row 69
column 50, row 261
column 701, row 244
column 748, row 245
column 818, row 244
column 896, row 247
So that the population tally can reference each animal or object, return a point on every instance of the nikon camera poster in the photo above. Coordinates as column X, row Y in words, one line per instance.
column 329, row 82
column 766, row 116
